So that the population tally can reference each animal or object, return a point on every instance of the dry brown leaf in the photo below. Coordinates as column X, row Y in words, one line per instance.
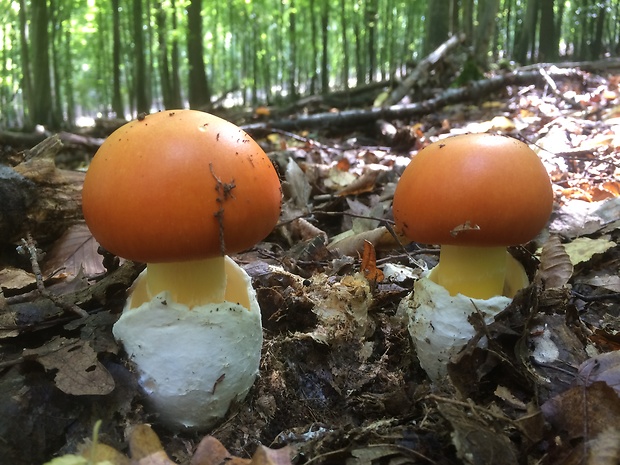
column 79, row 371
column 353, row 244
column 98, row 452
column 146, row 448
column 210, row 451
column 369, row 263
column 604, row 367
column 583, row 410
column 605, row 449
column 365, row 183
column 555, row 265
column 266, row 456
column 75, row 250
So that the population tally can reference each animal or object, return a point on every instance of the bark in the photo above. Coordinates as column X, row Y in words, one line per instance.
column 117, row 100
column 199, row 93
column 38, row 198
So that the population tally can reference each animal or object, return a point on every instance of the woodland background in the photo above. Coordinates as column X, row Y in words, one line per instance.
column 63, row 60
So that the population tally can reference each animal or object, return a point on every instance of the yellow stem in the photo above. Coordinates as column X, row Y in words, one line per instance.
column 477, row 272
column 189, row 283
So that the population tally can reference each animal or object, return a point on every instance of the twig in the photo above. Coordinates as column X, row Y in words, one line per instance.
column 29, row 247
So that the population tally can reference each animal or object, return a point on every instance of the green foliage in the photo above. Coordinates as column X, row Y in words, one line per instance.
column 260, row 51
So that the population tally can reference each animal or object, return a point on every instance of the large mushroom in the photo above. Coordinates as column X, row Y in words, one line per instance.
column 475, row 195
column 180, row 190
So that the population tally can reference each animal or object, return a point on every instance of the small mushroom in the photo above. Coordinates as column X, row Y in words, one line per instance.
column 179, row 190
column 473, row 194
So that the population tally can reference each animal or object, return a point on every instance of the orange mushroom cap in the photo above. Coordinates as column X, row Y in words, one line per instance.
column 474, row 189
column 180, row 185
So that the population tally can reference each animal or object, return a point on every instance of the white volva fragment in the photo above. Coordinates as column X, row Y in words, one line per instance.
column 438, row 322
column 193, row 363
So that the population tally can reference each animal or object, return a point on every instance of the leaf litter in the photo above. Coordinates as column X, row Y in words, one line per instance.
column 339, row 381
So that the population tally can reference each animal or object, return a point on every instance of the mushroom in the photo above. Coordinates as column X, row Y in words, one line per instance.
column 474, row 195
column 179, row 190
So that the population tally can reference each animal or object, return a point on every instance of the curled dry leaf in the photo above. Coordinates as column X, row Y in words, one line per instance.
column 146, row 448
column 583, row 410
column 210, row 451
column 369, row 263
column 555, row 265
column 604, row 367
column 79, row 371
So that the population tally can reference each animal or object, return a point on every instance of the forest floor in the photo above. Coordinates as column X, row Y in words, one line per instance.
column 339, row 378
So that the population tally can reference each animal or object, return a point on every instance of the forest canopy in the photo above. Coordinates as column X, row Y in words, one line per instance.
column 63, row 60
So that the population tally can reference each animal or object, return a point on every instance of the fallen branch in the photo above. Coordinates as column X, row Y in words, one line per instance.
column 476, row 90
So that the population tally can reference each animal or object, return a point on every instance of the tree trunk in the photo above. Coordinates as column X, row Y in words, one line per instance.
column 176, row 99
column 42, row 90
column 526, row 33
column 547, row 46
column 292, row 80
column 437, row 24
column 345, row 44
column 199, row 93
column 487, row 14
column 26, row 73
column 117, row 99
column 324, row 47
column 371, row 29
column 140, row 80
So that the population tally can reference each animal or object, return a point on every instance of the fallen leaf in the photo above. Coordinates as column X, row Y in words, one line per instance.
column 299, row 187
column 266, row 456
column 555, row 264
column 74, row 251
column 146, row 448
column 365, row 183
column 603, row 367
column 79, row 371
column 210, row 451
column 583, row 249
column 605, row 448
column 583, row 410
column 369, row 263
column 475, row 439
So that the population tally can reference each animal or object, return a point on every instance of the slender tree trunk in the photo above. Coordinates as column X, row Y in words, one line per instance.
column 140, row 79
column 596, row 49
column 26, row 72
column 345, row 44
column 324, row 47
column 55, row 39
column 199, row 93
column 42, row 90
column 525, row 36
column 292, row 31
column 68, row 78
column 314, row 46
column 371, row 29
column 437, row 25
column 117, row 99
column 547, row 46
column 164, row 65
column 359, row 61
column 487, row 14
column 176, row 100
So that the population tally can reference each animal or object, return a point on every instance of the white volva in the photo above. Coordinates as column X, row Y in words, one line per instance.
column 193, row 363
column 438, row 322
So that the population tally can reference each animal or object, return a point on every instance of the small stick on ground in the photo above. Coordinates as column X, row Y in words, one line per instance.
column 30, row 247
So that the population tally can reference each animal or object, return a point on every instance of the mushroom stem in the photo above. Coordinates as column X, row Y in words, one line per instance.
column 477, row 272
column 190, row 283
